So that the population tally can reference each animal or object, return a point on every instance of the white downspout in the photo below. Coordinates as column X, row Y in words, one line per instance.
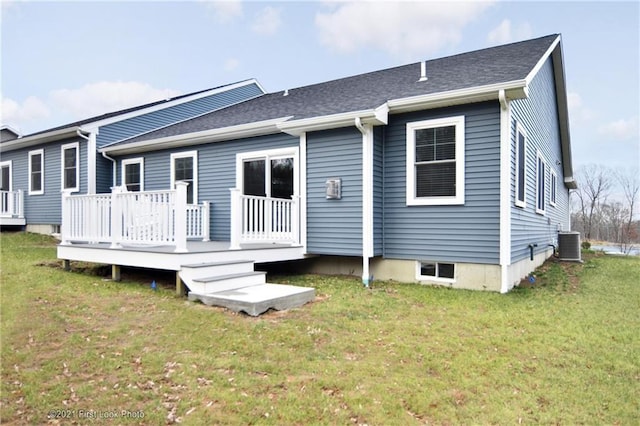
column 367, row 198
column 114, row 173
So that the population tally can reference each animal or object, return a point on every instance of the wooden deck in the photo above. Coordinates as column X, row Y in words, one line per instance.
column 213, row 273
column 164, row 257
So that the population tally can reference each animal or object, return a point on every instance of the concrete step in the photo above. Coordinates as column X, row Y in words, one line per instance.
column 257, row 299
column 199, row 271
column 218, row 283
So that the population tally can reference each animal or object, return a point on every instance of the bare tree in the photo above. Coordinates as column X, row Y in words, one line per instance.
column 629, row 182
column 594, row 185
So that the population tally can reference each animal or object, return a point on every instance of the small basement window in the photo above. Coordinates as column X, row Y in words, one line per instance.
column 436, row 270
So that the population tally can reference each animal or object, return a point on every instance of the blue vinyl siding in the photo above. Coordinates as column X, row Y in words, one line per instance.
column 45, row 208
column 456, row 233
column 173, row 114
column 334, row 227
column 378, row 193
column 216, row 173
column 538, row 115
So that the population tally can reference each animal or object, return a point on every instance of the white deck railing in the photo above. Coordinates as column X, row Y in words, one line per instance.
column 151, row 217
column 12, row 204
column 257, row 219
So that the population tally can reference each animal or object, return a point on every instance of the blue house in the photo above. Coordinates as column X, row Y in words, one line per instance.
column 454, row 171
column 37, row 167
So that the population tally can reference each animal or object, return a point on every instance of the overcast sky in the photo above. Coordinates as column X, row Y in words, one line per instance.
column 64, row 61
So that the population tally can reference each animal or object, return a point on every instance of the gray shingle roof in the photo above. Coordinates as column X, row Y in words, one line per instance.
column 493, row 65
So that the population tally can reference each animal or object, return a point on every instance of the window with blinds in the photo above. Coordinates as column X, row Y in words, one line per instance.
column 435, row 161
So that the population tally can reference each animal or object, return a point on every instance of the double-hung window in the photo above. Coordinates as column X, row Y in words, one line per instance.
column 184, row 167
column 70, row 167
column 521, row 167
column 541, row 171
column 36, row 172
column 133, row 174
column 435, row 161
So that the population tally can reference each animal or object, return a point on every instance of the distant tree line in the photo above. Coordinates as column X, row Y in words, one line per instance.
column 605, row 205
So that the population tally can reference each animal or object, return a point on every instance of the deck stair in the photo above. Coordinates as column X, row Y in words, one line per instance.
column 237, row 286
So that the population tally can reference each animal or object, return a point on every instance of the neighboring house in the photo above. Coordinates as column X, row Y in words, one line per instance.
column 40, row 166
column 454, row 171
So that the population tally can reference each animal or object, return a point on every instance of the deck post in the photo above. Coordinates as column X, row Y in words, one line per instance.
column 206, row 217
column 295, row 219
column 65, row 226
column 180, row 287
column 181, row 217
column 236, row 218
column 115, row 273
column 20, row 204
column 116, row 217
column 66, row 264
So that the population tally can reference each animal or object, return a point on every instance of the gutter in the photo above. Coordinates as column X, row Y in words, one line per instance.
column 206, row 136
column 40, row 138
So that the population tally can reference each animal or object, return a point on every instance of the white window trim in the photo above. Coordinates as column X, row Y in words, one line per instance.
column 518, row 202
column 539, row 157
column 553, row 188
column 270, row 154
column 138, row 160
column 420, row 277
column 186, row 154
column 33, row 154
column 63, row 148
column 10, row 165
column 411, row 198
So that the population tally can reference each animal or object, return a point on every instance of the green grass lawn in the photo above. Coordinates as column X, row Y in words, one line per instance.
column 565, row 351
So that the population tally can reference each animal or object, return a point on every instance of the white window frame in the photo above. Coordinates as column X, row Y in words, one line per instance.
column 8, row 164
column 553, row 189
column 268, row 155
column 435, row 278
column 186, row 154
column 32, row 154
column 75, row 146
column 411, row 198
column 539, row 176
column 138, row 160
column 521, row 202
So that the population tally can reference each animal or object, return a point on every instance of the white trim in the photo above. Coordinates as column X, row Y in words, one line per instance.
column 63, row 148
column 240, row 131
column 39, row 139
column 435, row 279
column 186, row 154
column 553, row 188
column 516, row 89
column 411, row 199
column 541, row 61
column 8, row 163
column 303, row 190
column 129, row 161
column 92, row 173
column 518, row 202
column 268, row 155
column 505, row 193
column 33, row 153
column 539, row 157
column 376, row 116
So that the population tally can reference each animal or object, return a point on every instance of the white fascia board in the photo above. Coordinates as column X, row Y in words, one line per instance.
column 516, row 89
column 374, row 117
column 541, row 61
column 196, row 138
column 39, row 139
column 94, row 125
